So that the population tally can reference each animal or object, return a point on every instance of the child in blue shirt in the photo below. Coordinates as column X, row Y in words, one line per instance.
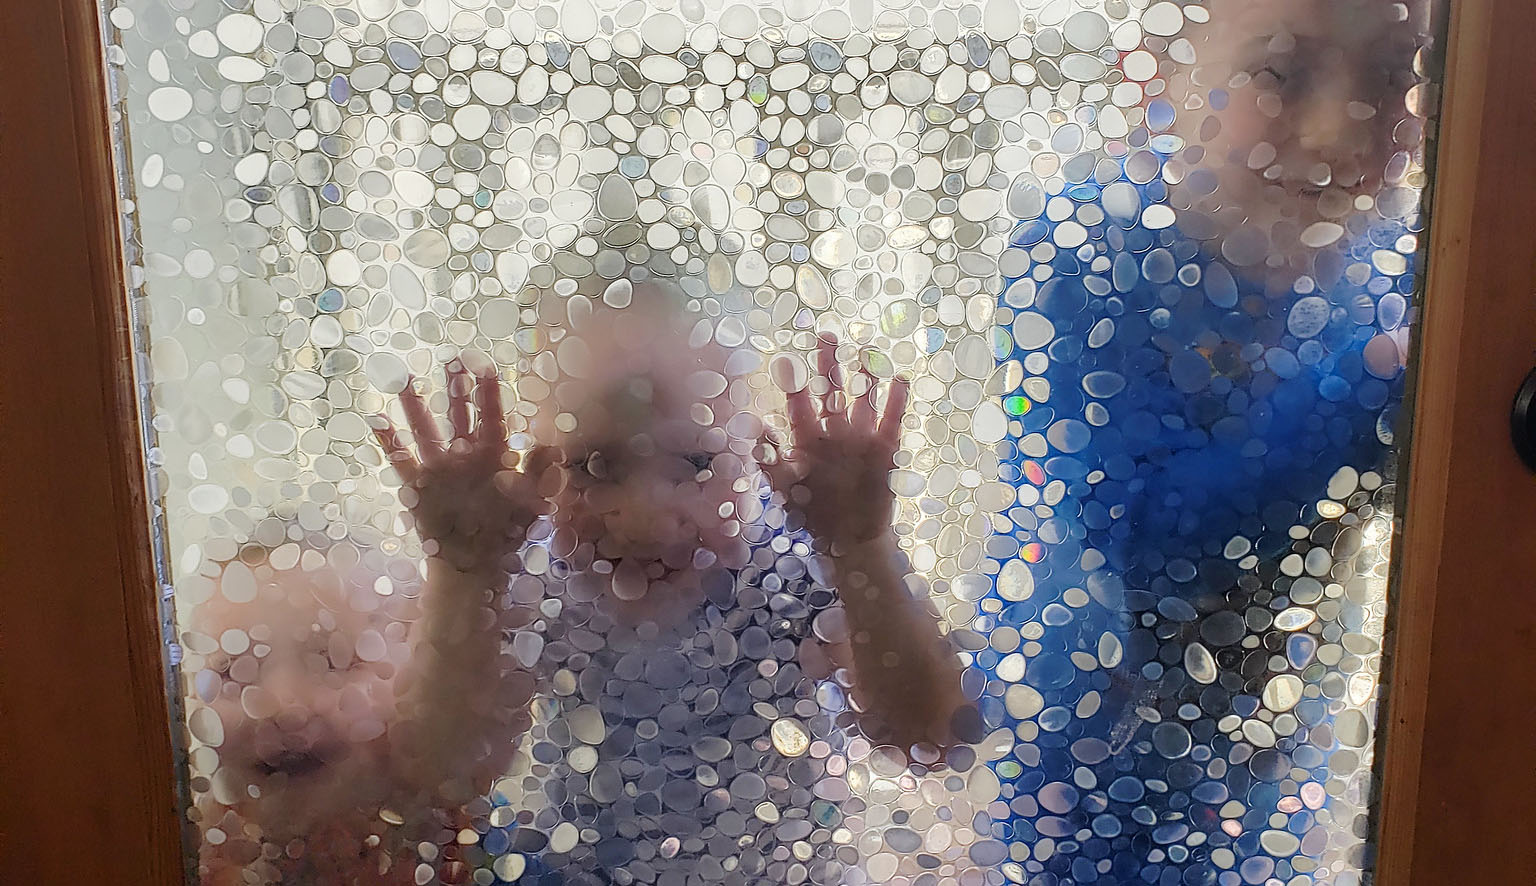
column 1210, row 335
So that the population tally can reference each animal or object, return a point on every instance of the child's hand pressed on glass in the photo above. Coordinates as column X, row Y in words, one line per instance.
column 471, row 496
column 834, row 472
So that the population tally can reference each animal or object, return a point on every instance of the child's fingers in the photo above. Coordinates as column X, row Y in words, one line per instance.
column 537, row 464
column 493, row 419
column 769, row 447
column 419, row 419
column 831, row 371
column 395, row 452
column 861, row 415
column 802, row 416
column 895, row 408
column 458, row 400
column 826, row 359
column 778, row 470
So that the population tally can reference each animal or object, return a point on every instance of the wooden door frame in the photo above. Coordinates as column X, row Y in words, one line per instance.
column 1458, row 783
column 89, row 794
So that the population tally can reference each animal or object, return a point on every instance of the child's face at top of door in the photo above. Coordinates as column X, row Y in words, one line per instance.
column 1298, row 104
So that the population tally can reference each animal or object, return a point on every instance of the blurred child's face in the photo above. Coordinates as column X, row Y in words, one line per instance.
column 296, row 687
column 656, row 439
column 1302, row 97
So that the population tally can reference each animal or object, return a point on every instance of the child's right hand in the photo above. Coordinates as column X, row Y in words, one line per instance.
column 472, row 498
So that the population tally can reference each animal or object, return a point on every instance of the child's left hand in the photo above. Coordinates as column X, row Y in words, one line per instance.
column 835, row 473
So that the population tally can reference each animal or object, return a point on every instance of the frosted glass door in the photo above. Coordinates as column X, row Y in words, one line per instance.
column 1120, row 296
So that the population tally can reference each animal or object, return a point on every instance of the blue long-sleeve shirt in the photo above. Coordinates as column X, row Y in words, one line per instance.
column 1178, row 416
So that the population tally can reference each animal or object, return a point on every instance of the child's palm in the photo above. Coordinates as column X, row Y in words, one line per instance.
column 471, row 497
column 836, row 475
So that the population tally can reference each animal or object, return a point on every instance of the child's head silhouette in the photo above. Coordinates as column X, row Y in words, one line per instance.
column 652, row 412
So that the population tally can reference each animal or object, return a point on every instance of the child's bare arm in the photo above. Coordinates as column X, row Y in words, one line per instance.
column 463, row 701
column 906, row 674
column 836, row 478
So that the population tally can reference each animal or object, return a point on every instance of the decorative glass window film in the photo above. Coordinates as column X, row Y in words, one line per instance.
column 1147, row 270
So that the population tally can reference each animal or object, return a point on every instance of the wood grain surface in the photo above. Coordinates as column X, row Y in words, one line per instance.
column 88, row 793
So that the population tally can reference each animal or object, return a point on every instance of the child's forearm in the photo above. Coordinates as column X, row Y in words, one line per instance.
column 464, row 703
column 905, row 672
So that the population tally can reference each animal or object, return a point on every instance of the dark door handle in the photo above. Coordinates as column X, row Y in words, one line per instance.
column 1522, row 421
